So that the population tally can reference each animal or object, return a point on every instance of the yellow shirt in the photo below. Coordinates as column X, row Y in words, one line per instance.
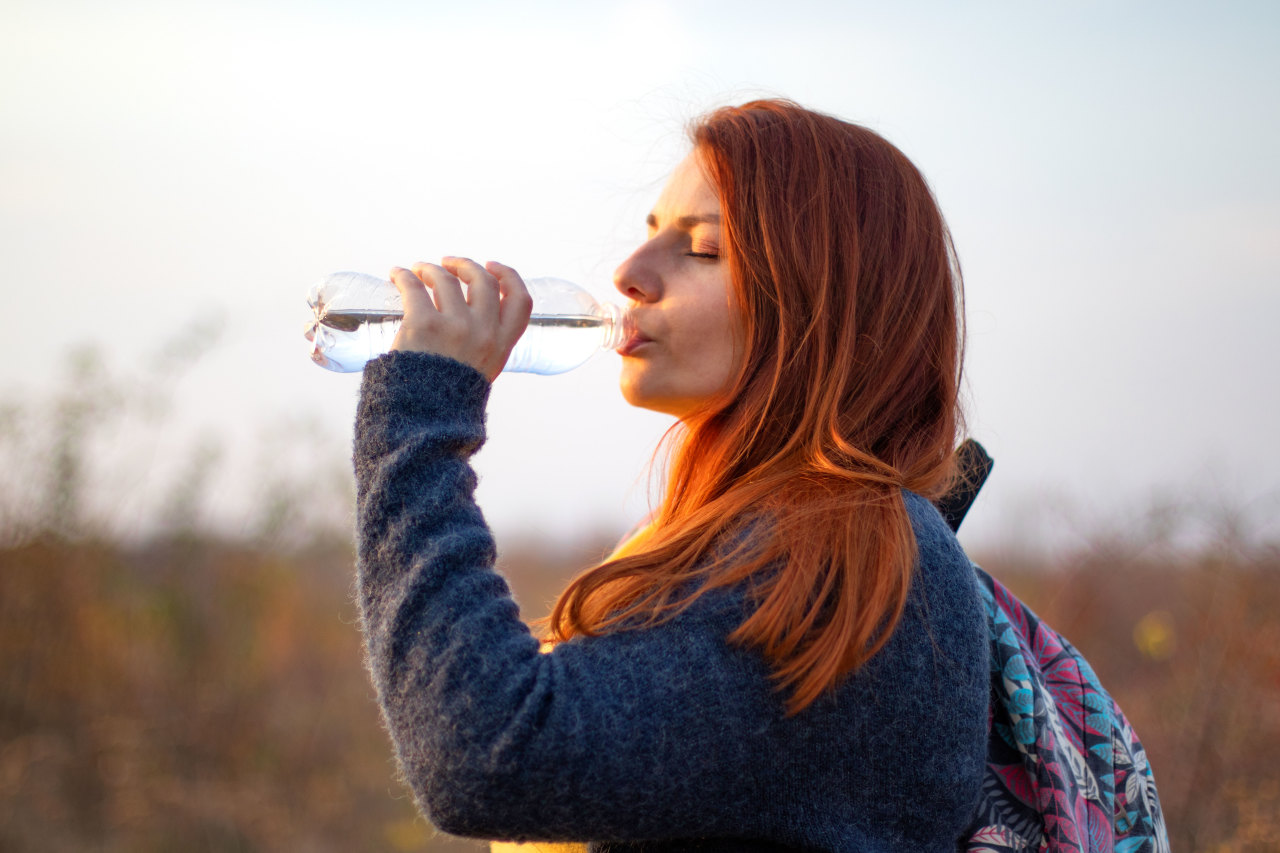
column 628, row 546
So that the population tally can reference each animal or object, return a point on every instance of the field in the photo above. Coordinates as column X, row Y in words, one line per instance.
column 199, row 694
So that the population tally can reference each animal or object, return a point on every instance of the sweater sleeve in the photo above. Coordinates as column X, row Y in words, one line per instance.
column 634, row 734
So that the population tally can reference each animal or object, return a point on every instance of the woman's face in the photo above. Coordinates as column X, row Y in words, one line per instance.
column 685, row 347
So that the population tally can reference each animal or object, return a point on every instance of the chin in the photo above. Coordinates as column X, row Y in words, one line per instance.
column 645, row 389
column 637, row 395
column 661, row 405
column 631, row 382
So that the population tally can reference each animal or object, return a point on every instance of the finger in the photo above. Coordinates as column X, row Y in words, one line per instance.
column 482, row 288
column 516, row 303
column 444, row 287
column 413, row 295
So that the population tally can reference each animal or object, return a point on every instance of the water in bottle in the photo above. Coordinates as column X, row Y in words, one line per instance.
column 355, row 318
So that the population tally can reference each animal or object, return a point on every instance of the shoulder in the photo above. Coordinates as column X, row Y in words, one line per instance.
column 930, row 527
column 940, row 556
column 944, row 605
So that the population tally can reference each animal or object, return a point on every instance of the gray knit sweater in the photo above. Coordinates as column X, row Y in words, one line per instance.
column 659, row 739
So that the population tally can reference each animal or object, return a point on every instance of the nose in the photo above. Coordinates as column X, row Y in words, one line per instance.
column 637, row 278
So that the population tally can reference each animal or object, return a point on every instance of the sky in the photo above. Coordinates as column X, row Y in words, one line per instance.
column 185, row 171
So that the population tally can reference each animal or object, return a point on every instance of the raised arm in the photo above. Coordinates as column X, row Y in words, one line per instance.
column 639, row 734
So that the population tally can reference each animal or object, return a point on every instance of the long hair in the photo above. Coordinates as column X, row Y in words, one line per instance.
column 790, row 483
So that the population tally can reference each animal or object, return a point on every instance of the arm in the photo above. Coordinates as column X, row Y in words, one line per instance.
column 639, row 734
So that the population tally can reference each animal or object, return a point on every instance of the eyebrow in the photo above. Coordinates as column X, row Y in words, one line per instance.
column 686, row 223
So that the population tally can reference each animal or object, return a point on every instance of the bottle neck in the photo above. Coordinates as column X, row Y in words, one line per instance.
column 617, row 325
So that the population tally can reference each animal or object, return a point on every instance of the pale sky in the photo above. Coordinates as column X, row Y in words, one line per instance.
column 1108, row 169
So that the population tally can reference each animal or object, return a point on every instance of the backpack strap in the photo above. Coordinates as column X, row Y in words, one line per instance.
column 974, row 464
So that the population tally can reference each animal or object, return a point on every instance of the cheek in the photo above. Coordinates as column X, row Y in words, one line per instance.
column 711, row 361
column 721, row 363
column 722, row 337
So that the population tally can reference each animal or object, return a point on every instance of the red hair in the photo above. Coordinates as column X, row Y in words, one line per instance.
column 851, row 301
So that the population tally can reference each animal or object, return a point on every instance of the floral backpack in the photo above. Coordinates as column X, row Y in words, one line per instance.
column 1065, row 771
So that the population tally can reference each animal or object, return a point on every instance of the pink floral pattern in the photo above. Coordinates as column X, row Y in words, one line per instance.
column 1065, row 771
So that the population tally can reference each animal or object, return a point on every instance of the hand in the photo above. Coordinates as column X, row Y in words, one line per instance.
column 478, row 328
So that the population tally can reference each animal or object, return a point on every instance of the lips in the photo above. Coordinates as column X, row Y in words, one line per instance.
column 631, row 344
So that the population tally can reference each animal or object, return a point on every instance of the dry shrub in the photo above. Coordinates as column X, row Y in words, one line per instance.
column 1189, row 645
column 189, row 695
column 197, row 694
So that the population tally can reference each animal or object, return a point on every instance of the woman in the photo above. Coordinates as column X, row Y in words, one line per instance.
column 794, row 654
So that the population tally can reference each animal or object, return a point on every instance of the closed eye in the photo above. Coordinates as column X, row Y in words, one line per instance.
column 712, row 256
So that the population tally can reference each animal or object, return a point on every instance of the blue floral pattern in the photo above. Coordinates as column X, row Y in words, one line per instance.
column 1065, row 771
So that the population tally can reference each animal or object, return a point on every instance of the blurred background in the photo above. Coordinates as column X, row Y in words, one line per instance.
column 179, row 657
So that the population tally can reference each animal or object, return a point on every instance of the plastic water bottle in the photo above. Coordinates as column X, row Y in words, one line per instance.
column 355, row 318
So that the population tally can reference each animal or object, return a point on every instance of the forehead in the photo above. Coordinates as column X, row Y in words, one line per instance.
column 687, row 191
